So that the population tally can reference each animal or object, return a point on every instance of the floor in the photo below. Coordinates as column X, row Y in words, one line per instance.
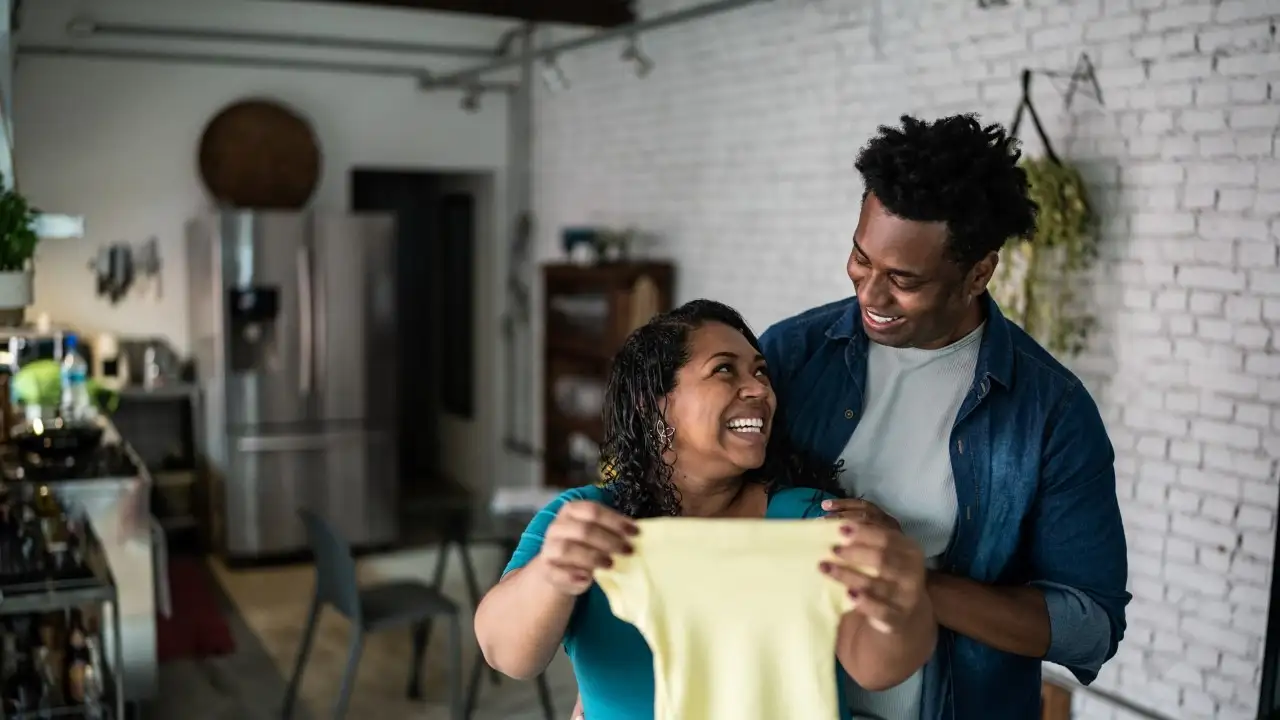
column 267, row 609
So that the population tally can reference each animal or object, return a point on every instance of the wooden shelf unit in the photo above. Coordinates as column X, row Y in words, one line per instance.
column 588, row 313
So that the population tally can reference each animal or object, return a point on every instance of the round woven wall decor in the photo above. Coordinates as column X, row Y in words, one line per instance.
column 260, row 154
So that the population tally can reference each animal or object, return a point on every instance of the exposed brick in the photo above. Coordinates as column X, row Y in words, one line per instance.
column 1257, row 544
column 1213, row 278
column 1217, row 636
column 1246, row 118
column 1250, row 570
column 1230, row 11
column 1208, row 531
column 1250, row 517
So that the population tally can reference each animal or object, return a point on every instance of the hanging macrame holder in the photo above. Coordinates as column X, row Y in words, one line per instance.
column 1019, row 263
column 1026, row 105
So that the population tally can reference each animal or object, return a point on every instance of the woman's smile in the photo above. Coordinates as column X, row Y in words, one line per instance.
column 748, row 428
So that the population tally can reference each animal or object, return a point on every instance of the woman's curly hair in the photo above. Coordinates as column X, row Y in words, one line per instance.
column 643, row 373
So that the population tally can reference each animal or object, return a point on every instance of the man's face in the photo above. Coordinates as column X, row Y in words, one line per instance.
column 910, row 292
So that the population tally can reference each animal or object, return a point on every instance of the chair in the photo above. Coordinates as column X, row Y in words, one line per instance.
column 382, row 606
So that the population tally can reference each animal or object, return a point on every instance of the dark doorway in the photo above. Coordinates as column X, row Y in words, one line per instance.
column 436, row 300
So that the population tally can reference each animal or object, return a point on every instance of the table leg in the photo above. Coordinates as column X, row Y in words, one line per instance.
column 473, row 685
column 469, row 572
column 442, row 563
column 437, row 580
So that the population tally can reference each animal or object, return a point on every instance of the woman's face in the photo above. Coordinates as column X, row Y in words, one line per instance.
column 722, row 406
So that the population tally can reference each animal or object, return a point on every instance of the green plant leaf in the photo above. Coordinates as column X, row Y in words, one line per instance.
column 1035, row 280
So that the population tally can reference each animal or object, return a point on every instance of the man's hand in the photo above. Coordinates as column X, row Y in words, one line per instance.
column 860, row 511
column 577, row 710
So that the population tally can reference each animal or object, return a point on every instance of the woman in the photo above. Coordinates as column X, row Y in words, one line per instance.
column 674, row 389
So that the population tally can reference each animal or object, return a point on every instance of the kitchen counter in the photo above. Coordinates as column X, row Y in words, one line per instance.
column 115, row 500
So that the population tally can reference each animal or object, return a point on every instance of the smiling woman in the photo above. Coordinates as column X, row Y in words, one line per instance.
column 684, row 386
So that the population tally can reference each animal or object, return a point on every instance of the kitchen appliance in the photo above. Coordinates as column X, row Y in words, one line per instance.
column 110, row 365
column 294, row 334
column 151, row 362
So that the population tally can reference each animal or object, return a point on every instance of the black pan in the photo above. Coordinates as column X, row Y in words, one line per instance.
column 60, row 441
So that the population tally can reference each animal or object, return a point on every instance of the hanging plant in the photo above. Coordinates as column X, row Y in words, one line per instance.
column 1037, row 278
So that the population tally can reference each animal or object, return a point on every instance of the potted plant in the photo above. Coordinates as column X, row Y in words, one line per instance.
column 17, row 246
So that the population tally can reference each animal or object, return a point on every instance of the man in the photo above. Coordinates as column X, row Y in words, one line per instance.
column 954, row 424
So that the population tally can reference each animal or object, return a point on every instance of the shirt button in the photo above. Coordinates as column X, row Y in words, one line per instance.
column 960, row 446
column 848, row 414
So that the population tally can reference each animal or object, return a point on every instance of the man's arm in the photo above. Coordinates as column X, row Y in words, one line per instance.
column 1012, row 619
column 1072, row 614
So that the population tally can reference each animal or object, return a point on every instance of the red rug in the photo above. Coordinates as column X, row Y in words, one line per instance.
column 198, row 627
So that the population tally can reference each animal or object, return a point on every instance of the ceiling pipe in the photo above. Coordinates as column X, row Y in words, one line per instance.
column 468, row 76
column 87, row 27
column 241, row 61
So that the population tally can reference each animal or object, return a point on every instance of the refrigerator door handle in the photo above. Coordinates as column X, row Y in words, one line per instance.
column 160, row 561
column 306, row 318
column 303, row 443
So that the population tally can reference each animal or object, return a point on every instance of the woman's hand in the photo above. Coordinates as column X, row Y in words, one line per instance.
column 884, row 572
column 579, row 541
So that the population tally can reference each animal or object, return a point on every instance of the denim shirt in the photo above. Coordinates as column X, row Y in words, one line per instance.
column 1035, row 483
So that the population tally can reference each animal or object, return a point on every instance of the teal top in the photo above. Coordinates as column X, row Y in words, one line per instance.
column 611, row 660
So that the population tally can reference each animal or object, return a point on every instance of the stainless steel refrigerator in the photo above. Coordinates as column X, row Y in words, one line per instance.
column 293, row 322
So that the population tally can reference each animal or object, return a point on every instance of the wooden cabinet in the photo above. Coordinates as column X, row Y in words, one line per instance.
column 588, row 313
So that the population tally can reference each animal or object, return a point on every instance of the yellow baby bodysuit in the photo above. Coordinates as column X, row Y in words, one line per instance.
column 741, row 622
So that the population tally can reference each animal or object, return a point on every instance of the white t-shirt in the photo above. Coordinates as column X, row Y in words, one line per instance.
column 899, row 458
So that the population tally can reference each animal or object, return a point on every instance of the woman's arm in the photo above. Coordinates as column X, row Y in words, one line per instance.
column 891, row 631
column 521, row 621
column 878, row 660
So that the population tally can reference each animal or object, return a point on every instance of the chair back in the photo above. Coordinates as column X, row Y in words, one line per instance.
column 336, row 581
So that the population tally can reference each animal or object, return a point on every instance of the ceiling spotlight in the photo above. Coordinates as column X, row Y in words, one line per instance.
column 471, row 98
column 553, row 75
column 634, row 55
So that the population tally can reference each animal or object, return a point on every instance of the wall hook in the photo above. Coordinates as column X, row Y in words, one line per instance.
column 1082, row 77
column 1084, row 74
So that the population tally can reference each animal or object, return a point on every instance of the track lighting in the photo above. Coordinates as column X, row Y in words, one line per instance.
column 634, row 55
column 553, row 75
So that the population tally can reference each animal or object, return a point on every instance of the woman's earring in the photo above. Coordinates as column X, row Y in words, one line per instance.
column 665, row 433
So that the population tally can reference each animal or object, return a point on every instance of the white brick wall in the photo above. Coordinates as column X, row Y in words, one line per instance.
column 737, row 153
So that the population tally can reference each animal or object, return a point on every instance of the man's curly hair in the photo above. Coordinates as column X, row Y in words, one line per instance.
column 953, row 170
column 643, row 373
